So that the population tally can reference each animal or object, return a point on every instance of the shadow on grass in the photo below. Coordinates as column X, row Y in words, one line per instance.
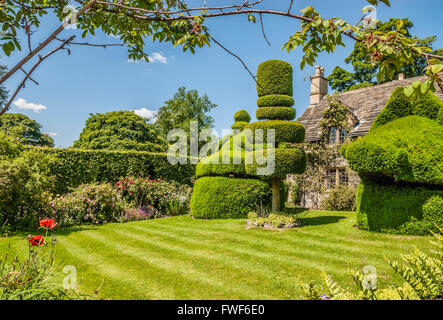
column 316, row 221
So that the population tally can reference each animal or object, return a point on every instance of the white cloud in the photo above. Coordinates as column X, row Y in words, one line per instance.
column 51, row 134
column 146, row 113
column 155, row 56
column 25, row 105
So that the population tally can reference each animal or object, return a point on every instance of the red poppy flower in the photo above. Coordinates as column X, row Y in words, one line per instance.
column 48, row 223
column 36, row 240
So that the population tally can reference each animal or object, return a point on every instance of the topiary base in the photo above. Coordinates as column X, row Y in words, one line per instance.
column 225, row 198
column 398, row 209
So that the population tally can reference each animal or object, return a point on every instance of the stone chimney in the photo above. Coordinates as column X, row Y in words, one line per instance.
column 319, row 85
column 401, row 76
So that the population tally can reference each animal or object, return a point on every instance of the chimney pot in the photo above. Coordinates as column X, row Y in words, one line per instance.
column 319, row 86
column 401, row 76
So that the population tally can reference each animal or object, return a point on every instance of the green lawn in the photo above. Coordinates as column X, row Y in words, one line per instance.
column 185, row 258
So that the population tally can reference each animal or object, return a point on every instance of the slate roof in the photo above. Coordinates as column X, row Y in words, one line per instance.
column 365, row 103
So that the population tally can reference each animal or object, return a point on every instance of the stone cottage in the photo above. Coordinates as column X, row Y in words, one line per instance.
column 365, row 104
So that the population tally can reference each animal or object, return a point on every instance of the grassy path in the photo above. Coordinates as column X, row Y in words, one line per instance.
column 185, row 258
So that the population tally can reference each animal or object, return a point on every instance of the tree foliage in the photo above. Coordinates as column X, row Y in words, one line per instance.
column 25, row 129
column 120, row 130
column 184, row 107
column 365, row 71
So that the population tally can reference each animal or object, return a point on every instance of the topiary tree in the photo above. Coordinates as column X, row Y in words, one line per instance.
column 400, row 164
column 274, row 88
column 223, row 189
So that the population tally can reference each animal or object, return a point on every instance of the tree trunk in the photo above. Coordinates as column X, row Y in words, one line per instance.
column 275, row 194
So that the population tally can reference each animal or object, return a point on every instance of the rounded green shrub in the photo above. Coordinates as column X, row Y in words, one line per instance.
column 285, row 131
column 225, row 198
column 274, row 77
column 394, row 208
column 340, row 199
column 272, row 100
column 409, row 149
column 275, row 113
column 242, row 116
column 287, row 160
column 240, row 125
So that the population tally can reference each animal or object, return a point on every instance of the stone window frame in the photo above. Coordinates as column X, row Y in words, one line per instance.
column 337, row 180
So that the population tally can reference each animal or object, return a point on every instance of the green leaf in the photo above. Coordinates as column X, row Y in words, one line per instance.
column 436, row 68
column 408, row 91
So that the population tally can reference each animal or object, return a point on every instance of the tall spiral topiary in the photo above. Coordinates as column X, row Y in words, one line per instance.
column 274, row 89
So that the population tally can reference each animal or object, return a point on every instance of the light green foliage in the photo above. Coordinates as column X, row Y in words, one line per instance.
column 224, row 198
column 408, row 149
column 242, row 116
column 271, row 100
column 26, row 130
column 120, row 130
column 206, row 167
column 275, row 113
column 274, row 77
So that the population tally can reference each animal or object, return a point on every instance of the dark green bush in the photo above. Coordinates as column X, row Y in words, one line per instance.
column 393, row 208
column 341, row 198
column 409, row 149
column 285, row 131
column 25, row 184
column 224, row 198
column 433, row 211
column 274, row 77
column 242, row 116
column 399, row 106
column 287, row 160
column 275, row 113
column 275, row 100
column 73, row 167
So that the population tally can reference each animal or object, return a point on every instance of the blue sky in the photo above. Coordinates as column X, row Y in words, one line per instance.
column 95, row 80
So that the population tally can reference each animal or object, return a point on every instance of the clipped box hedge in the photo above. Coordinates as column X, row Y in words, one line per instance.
column 228, row 198
column 73, row 167
column 272, row 100
column 275, row 113
column 394, row 208
column 285, row 131
column 274, row 77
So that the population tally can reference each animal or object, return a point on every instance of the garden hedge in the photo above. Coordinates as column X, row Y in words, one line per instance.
column 397, row 208
column 240, row 125
column 287, row 161
column 274, row 77
column 226, row 198
column 73, row 167
column 275, row 100
column 205, row 168
column 285, row 131
column 275, row 113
